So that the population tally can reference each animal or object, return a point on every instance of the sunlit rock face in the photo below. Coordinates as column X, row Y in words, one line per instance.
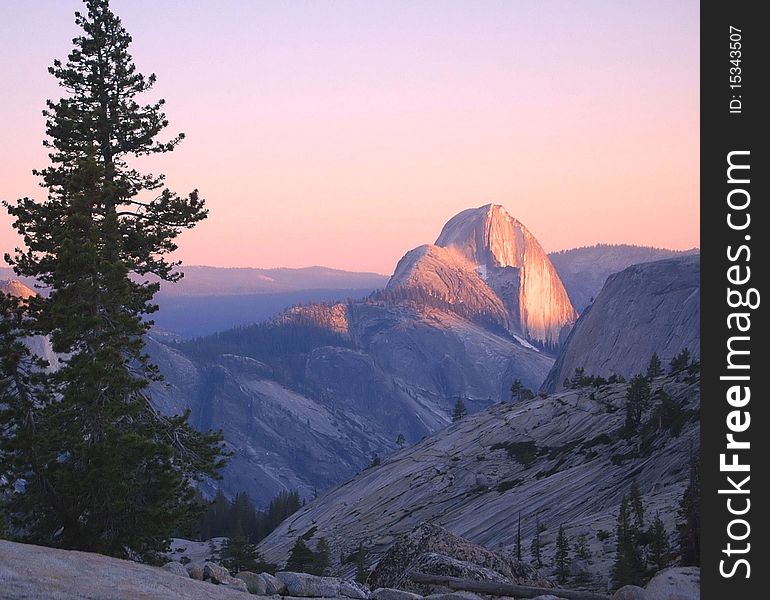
column 448, row 275
column 332, row 317
column 483, row 255
column 14, row 287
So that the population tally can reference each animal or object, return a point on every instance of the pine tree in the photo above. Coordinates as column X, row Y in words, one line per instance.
column 637, row 506
column 323, row 557
column 628, row 567
column 659, row 546
column 561, row 559
column 400, row 440
column 637, row 401
column 111, row 475
column 459, row 410
column 22, row 385
column 688, row 529
column 681, row 361
column 516, row 388
column 535, row 549
column 582, row 551
column 301, row 559
column 654, row 369
column 518, row 538
column 360, row 558
column 239, row 555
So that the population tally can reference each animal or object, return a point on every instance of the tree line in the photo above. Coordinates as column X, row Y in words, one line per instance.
column 240, row 518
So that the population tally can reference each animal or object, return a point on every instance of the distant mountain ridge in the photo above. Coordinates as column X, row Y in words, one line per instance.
column 231, row 281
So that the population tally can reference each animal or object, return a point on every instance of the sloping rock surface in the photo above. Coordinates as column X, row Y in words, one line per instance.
column 651, row 307
column 28, row 572
column 558, row 459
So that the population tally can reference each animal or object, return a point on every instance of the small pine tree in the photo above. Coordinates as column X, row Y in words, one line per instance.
column 582, row 551
column 517, row 387
column 376, row 461
column 628, row 567
column 323, row 557
column 562, row 559
column 518, row 538
column 301, row 559
column 681, row 361
column 637, row 506
column 459, row 411
column 239, row 555
column 360, row 557
column 688, row 529
column 637, row 401
column 535, row 550
column 659, row 546
column 401, row 440
column 654, row 369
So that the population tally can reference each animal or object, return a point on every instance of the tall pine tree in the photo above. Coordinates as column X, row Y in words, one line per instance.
column 628, row 568
column 561, row 558
column 108, row 472
column 688, row 529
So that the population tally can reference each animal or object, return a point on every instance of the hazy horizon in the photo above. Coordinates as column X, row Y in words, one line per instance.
column 344, row 134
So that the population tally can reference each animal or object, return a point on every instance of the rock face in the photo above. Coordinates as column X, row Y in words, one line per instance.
column 562, row 459
column 483, row 257
column 28, row 571
column 450, row 276
column 14, row 287
column 584, row 270
column 651, row 307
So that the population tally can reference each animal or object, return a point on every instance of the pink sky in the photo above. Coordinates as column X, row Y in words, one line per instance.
column 345, row 133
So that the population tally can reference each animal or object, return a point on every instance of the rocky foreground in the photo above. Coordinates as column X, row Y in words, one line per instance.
column 28, row 572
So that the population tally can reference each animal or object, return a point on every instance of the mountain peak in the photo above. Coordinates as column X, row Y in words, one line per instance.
column 488, row 236
column 485, row 257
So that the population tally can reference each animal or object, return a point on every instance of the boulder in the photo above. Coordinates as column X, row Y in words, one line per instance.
column 351, row 589
column 194, row 571
column 215, row 573
column 235, row 584
column 254, row 583
column 392, row 594
column 176, row 568
column 273, row 585
column 630, row 592
column 414, row 547
column 309, row 586
column 677, row 583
